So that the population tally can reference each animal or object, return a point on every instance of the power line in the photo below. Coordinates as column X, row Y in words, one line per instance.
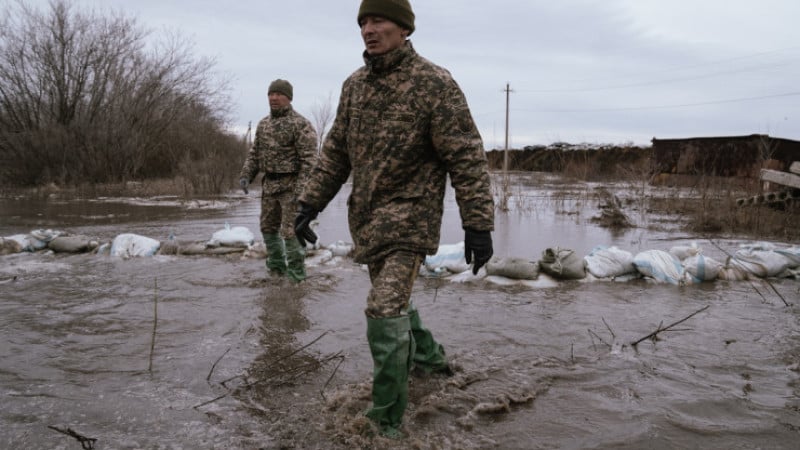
column 674, row 69
column 652, row 83
column 684, row 105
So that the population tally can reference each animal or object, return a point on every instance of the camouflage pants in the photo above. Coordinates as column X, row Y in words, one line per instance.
column 278, row 212
column 392, row 280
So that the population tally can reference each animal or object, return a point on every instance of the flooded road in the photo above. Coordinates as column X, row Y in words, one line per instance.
column 185, row 352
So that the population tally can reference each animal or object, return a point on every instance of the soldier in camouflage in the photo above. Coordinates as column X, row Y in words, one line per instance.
column 284, row 149
column 402, row 126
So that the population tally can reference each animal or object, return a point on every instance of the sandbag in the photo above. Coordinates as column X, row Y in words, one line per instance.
column 240, row 237
column 609, row 262
column 659, row 265
column 563, row 264
column 448, row 258
column 45, row 236
column 760, row 260
column 792, row 254
column 128, row 245
column 727, row 273
column 72, row 244
column 9, row 246
column 26, row 242
column 512, row 267
column 685, row 251
column 699, row 268
column 341, row 248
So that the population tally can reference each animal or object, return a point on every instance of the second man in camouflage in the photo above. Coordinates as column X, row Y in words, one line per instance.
column 284, row 150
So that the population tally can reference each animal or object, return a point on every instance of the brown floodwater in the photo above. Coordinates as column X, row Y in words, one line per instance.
column 190, row 352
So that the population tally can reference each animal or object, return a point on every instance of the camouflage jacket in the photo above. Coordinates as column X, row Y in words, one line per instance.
column 402, row 125
column 284, row 149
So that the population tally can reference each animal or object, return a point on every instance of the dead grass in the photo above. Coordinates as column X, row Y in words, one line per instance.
column 714, row 211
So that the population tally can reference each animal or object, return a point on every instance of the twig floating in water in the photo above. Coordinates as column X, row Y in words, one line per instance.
column 592, row 333
column 213, row 366
column 87, row 443
column 155, row 324
column 659, row 329
column 609, row 328
column 335, row 369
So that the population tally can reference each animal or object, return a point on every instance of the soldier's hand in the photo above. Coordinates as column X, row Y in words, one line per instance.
column 243, row 184
column 477, row 247
column 302, row 224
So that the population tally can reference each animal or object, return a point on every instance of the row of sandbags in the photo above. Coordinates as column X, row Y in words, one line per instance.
column 126, row 245
column 679, row 265
column 228, row 240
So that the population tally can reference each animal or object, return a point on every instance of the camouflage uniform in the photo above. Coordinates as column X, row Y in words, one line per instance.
column 284, row 149
column 402, row 125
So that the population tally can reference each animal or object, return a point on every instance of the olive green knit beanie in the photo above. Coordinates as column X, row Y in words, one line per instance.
column 281, row 87
column 398, row 11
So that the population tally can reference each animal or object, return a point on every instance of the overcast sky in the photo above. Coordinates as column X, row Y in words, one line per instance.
column 609, row 71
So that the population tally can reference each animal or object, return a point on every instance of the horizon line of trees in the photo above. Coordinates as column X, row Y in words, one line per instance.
column 88, row 97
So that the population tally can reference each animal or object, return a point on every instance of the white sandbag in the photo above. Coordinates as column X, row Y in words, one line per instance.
column 512, row 267
column 608, row 262
column 659, row 265
column 729, row 273
column 341, row 248
column 449, row 257
column 128, row 245
column 46, row 235
column 26, row 242
column 562, row 264
column 763, row 262
column 318, row 258
column 699, row 268
column 685, row 251
column 792, row 254
column 229, row 236
column 467, row 276
column 541, row 282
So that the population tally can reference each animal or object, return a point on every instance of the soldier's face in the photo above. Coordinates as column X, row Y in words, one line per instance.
column 277, row 100
column 381, row 35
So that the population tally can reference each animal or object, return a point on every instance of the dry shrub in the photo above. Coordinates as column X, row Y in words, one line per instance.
column 712, row 208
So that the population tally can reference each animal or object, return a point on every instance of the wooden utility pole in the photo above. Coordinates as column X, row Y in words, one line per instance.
column 505, row 155
column 504, row 203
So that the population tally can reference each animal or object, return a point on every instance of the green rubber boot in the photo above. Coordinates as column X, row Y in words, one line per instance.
column 390, row 342
column 295, row 260
column 276, row 254
column 429, row 356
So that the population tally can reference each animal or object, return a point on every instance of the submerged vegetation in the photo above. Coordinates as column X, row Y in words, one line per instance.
column 630, row 192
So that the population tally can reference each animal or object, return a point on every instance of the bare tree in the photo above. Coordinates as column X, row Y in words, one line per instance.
column 89, row 97
column 323, row 116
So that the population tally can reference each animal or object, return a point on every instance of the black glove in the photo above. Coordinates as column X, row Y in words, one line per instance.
column 243, row 184
column 302, row 224
column 477, row 244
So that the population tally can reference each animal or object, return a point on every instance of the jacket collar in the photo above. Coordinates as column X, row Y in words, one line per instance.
column 280, row 112
column 388, row 62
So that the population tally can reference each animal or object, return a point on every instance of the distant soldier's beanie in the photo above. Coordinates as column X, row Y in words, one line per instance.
column 398, row 11
column 281, row 87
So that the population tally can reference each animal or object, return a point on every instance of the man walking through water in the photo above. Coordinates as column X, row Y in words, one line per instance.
column 402, row 126
column 284, row 149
